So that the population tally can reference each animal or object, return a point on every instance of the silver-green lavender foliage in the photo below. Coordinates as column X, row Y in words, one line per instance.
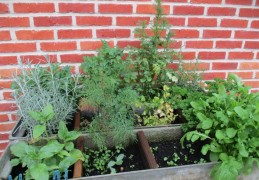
column 37, row 87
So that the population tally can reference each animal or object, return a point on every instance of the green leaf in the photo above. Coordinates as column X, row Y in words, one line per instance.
column 111, row 164
column 214, row 156
column 207, row 124
column 66, row 135
column 242, row 113
column 220, row 134
column 221, row 89
column 39, row 172
column 15, row 162
column 113, row 171
column 195, row 137
column 38, row 130
column 50, row 149
column 242, row 150
column 223, row 157
column 19, row 149
column 205, row 149
column 48, row 112
column 69, row 146
column 231, row 132
column 35, row 115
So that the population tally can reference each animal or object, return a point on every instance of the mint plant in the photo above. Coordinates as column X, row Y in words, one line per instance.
column 228, row 121
column 40, row 156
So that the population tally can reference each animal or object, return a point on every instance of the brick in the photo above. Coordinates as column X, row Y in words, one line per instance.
column 123, row 44
column 252, row 45
column 72, row 58
column 74, row 33
column 212, row 75
column 7, row 107
column 247, row 34
column 253, row 84
column 206, row 1
column 216, row 34
column 244, row 75
column 4, row 137
column 17, row 47
column 186, row 33
column 202, row 22
column 248, row 12
column 257, row 3
column 240, row 55
column 8, row 60
column 176, row 21
column 224, row 66
column 200, row 66
column 131, row 21
column 58, row 46
column 38, row 59
column 199, row 44
column 4, row 8
column 257, row 56
column 14, row 117
column 254, row 90
column 14, row 22
column 3, row 145
column 93, row 45
column 7, row 126
column 188, row 55
column 93, row 21
column 239, row 2
column 4, row 118
column 211, row 55
column 173, row 66
column 257, row 75
column 150, row 32
column 5, row 36
column 113, row 33
column 76, row 7
column 5, row 84
column 221, row 11
column 177, row 1
column 235, row 23
column 249, row 66
column 188, row 10
column 8, row 96
column 33, row 7
column 8, row 73
column 34, row 35
column 53, row 21
column 255, row 24
column 228, row 44
column 150, row 9
column 115, row 8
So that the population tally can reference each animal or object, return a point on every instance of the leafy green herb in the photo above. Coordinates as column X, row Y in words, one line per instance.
column 228, row 120
column 42, row 157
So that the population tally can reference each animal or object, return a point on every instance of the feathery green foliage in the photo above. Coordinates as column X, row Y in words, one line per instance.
column 105, row 88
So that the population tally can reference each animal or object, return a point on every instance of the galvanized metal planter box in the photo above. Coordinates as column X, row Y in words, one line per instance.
column 192, row 172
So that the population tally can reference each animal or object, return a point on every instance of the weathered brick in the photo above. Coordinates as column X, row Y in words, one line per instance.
column 224, row 66
column 131, row 21
column 228, row 44
column 112, row 33
column 211, row 55
column 235, row 23
column 216, row 33
column 188, row 10
column 5, row 36
column 221, row 11
column 14, row 22
column 53, row 21
column 199, row 44
column 17, row 47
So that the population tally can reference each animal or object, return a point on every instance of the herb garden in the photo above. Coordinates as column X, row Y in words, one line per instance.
column 130, row 115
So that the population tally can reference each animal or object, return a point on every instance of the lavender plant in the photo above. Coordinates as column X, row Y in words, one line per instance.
column 38, row 86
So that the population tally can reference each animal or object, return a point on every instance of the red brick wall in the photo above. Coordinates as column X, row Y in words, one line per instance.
column 222, row 33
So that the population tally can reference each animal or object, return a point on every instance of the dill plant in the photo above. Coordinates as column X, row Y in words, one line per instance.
column 37, row 87
column 105, row 89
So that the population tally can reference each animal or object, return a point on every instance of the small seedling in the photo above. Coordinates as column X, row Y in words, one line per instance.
column 118, row 161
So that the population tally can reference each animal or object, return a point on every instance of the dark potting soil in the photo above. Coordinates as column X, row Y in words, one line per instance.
column 21, row 170
column 132, row 161
column 171, row 153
